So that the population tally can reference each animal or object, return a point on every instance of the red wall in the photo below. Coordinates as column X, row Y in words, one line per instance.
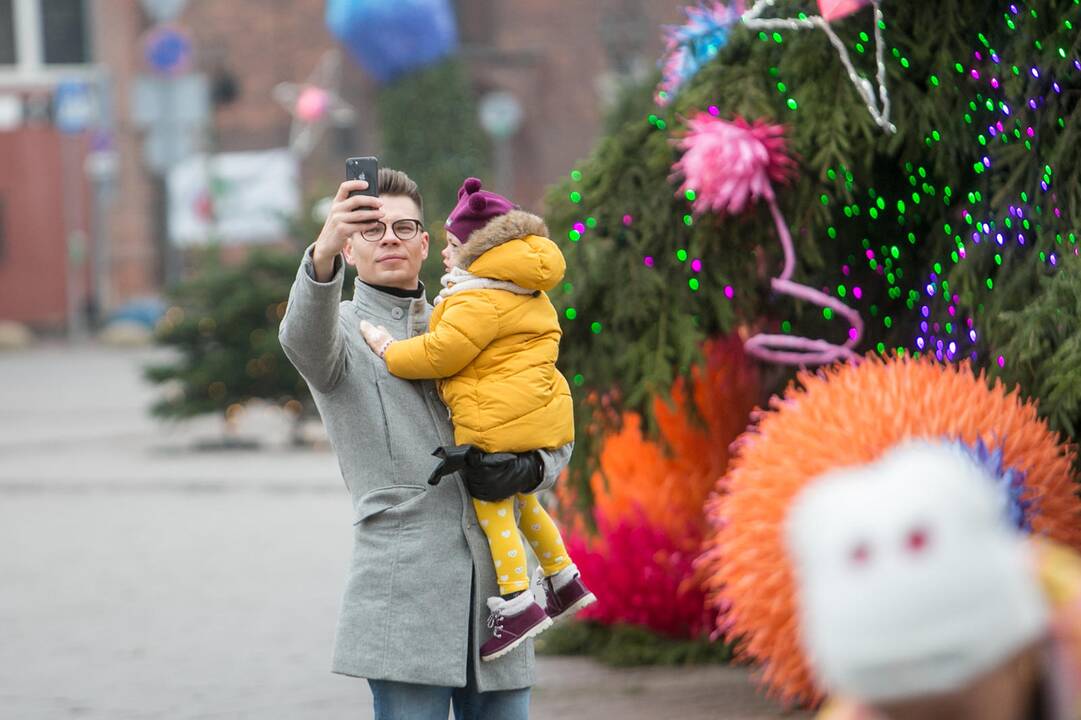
column 33, row 270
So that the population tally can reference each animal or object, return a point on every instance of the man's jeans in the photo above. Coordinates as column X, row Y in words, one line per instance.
column 406, row 701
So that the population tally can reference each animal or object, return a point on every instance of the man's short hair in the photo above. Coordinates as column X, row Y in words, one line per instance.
column 396, row 182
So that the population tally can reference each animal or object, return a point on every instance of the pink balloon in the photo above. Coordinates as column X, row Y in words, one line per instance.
column 837, row 9
column 312, row 104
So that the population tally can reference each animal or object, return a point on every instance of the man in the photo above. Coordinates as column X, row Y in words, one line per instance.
column 413, row 614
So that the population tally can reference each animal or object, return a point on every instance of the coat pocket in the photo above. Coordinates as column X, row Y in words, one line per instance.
column 379, row 377
column 391, row 497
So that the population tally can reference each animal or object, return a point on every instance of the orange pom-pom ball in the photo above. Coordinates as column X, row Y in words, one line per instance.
column 850, row 415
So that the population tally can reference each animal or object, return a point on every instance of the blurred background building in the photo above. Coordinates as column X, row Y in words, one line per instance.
column 108, row 106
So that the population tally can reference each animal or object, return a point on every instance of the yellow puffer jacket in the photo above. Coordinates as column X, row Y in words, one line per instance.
column 497, row 348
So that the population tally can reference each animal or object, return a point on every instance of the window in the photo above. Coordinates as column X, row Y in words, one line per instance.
column 63, row 32
column 7, row 32
column 43, row 41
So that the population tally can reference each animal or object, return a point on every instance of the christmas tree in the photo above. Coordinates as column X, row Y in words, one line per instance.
column 223, row 325
column 948, row 236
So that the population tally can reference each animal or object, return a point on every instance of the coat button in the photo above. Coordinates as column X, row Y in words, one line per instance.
column 396, row 313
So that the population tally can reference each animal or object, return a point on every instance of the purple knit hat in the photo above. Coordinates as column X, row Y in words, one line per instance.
column 475, row 208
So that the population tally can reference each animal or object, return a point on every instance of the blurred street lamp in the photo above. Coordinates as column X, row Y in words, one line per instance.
column 501, row 117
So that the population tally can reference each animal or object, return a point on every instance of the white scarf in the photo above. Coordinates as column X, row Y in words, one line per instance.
column 459, row 280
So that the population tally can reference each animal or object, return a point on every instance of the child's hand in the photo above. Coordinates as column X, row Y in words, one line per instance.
column 377, row 337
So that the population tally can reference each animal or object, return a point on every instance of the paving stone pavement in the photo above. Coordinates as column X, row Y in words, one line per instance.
column 142, row 579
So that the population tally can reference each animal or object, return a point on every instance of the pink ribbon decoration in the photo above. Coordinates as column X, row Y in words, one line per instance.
column 730, row 164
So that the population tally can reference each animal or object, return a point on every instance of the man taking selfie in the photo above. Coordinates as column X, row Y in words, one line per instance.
column 413, row 613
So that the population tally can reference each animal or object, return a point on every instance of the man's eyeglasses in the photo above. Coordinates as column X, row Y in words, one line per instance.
column 403, row 230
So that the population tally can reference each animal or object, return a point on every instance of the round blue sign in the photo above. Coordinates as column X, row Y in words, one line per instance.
column 168, row 50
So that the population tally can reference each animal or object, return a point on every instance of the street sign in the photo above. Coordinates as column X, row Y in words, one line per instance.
column 164, row 10
column 163, row 150
column 183, row 100
column 173, row 110
column 101, row 161
column 75, row 106
column 167, row 50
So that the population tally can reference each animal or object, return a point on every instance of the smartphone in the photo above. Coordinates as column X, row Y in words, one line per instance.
column 363, row 168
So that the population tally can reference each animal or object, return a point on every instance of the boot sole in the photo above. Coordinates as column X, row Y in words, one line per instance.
column 531, row 632
column 582, row 602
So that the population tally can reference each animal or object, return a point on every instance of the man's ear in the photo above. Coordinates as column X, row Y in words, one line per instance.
column 347, row 251
column 425, row 242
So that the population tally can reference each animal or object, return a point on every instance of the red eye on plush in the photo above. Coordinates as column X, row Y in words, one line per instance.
column 917, row 539
column 860, row 554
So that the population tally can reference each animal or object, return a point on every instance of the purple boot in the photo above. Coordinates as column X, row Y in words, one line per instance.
column 512, row 621
column 566, row 593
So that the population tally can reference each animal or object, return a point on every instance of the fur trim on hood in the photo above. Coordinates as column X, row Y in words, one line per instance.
column 512, row 226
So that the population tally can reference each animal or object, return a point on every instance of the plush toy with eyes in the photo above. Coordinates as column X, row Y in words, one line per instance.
column 851, row 428
column 911, row 578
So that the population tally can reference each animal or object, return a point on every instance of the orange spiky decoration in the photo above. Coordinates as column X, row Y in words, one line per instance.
column 669, row 481
column 649, row 499
column 849, row 415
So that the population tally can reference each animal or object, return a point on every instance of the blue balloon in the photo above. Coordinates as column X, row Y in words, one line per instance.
column 391, row 37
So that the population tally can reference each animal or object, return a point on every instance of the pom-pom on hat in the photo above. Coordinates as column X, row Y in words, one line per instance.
column 475, row 208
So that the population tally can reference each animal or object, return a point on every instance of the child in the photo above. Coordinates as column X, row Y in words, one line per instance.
column 493, row 339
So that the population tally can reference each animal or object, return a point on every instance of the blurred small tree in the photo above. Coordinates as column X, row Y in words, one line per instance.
column 223, row 325
column 431, row 131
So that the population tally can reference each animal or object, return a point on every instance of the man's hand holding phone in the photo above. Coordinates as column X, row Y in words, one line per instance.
column 347, row 215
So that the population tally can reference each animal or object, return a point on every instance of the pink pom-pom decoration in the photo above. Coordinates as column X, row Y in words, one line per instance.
column 730, row 163
column 312, row 104
column 837, row 9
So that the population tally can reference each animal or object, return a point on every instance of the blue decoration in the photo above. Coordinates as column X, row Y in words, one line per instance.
column 1011, row 481
column 389, row 38
column 691, row 46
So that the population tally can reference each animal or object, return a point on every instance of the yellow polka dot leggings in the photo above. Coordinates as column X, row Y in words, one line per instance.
column 508, row 553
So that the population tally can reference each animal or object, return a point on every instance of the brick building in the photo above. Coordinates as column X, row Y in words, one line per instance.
column 558, row 58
